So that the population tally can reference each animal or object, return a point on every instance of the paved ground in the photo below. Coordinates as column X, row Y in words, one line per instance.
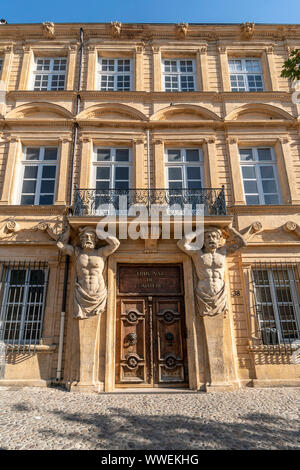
column 32, row 418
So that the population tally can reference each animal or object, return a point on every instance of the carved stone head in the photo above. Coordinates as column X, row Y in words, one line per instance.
column 212, row 236
column 87, row 238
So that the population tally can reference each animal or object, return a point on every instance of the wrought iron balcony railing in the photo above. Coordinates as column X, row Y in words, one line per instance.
column 89, row 202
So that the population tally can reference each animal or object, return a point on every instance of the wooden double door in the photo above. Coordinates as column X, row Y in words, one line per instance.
column 151, row 333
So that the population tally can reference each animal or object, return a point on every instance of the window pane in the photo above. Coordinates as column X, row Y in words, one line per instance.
column 49, row 171
column 263, row 294
column 194, row 184
column 174, row 155
column 193, row 173
column 17, row 276
column 175, row 185
column 37, row 276
column 192, row 155
column 252, row 200
column 47, row 186
column 266, row 172
column 32, row 154
column 122, row 155
column 121, row 185
column 102, row 184
column 271, row 199
column 175, row 174
column 264, row 154
column 246, row 154
column 27, row 200
column 103, row 172
column 50, row 154
column 29, row 186
column 103, row 155
column 122, row 173
column 248, row 172
column 269, row 186
column 46, row 200
column 250, row 187
column 30, row 172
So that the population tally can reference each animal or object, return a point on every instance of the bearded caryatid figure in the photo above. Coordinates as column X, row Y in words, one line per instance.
column 209, row 262
column 90, row 288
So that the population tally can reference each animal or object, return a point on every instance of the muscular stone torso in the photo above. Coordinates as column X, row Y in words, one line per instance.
column 89, row 268
column 210, row 269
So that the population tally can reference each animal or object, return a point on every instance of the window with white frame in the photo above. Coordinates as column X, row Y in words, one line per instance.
column 179, row 74
column 277, row 302
column 246, row 75
column 49, row 74
column 260, row 176
column 23, row 303
column 184, row 169
column 112, row 168
column 38, row 174
column 115, row 74
column 112, row 176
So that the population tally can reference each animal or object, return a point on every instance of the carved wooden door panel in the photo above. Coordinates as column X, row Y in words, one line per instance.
column 132, row 348
column 169, row 341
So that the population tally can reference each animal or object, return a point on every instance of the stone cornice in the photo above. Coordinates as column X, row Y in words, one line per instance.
column 18, row 210
column 261, row 209
column 149, row 31
column 153, row 96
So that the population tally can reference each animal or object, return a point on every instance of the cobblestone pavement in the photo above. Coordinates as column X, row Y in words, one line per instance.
column 33, row 418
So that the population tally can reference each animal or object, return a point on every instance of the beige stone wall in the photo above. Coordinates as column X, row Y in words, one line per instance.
column 212, row 118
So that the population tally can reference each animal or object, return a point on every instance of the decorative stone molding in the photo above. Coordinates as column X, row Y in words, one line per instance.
column 292, row 227
column 269, row 49
column 155, row 49
column 222, row 49
column 48, row 30
column 182, row 30
column 210, row 140
column 232, row 140
column 8, row 229
column 115, row 29
column 254, row 229
column 247, row 30
column 203, row 50
column 139, row 49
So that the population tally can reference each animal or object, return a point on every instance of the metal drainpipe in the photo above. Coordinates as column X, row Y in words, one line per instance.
column 67, row 262
column 148, row 170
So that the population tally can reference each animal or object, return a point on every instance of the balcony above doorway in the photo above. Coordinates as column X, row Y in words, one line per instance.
column 102, row 202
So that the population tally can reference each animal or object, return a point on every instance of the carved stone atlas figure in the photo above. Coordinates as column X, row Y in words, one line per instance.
column 209, row 262
column 90, row 289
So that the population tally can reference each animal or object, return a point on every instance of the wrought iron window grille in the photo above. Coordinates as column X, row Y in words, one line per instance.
column 23, row 291
column 276, row 291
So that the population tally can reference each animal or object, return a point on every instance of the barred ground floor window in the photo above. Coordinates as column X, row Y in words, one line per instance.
column 276, row 293
column 23, row 298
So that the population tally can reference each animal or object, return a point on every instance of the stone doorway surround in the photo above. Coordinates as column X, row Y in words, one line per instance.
column 194, row 347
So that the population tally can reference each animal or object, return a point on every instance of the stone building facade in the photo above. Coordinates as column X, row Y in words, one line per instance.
column 180, row 113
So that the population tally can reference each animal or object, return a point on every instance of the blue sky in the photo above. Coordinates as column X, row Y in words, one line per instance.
column 155, row 11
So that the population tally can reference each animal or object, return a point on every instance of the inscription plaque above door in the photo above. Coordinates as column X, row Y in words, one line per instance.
column 150, row 279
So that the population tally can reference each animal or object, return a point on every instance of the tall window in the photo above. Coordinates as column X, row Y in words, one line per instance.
column 39, row 166
column 112, row 174
column 277, row 303
column 49, row 74
column 179, row 75
column 115, row 74
column 259, row 173
column 1, row 65
column 184, row 168
column 23, row 303
column 246, row 75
